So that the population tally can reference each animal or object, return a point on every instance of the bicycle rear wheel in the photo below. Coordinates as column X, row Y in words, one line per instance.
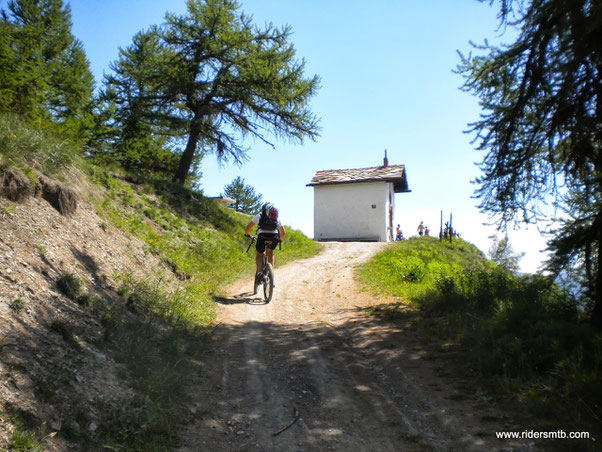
column 268, row 283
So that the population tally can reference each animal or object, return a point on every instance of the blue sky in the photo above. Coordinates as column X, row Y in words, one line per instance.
column 387, row 83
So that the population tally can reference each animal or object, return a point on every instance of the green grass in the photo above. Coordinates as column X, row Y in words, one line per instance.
column 70, row 285
column 23, row 440
column 412, row 267
column 156, row 326
column 26, row 437
column 521, row 333
column 158, row 329
column 30, row 148
column 200, row 240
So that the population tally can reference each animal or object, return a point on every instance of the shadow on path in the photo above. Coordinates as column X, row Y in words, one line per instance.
column 242, row 298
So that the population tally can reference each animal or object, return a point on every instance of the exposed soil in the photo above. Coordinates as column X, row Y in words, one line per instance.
column 54, row 365
column 311, row 371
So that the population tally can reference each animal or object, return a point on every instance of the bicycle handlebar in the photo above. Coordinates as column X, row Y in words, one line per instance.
column 252, row 241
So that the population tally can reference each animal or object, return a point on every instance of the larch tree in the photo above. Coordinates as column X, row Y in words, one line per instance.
column 141, row 128
column 229, row 79
column 541, row 128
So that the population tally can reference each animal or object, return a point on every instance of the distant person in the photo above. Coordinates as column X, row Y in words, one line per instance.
column 421, row 229
column 399, row 234
column 426, row 231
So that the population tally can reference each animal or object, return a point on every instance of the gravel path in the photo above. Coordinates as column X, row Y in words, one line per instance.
column 311, row 372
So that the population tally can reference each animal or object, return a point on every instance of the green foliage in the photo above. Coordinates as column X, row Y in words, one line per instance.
column 141, row 130
column 24, row 441
column 7, row 210
column 44, row 73
column 158, row 363
column 540, row 129
column 522, row 332
column 27, row 434
column 26, row 147
column 211, row 77
column 73, row 288
column 16, row 304
column 70, row 285
column 245, row 198
column 140, row 422
column 424, row 262
column 145, row 155
column 502, row 254
column 208, row 242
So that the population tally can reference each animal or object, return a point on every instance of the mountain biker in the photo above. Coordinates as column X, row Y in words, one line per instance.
column 269, row 227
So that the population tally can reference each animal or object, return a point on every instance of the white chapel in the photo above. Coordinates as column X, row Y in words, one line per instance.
column 357, row 204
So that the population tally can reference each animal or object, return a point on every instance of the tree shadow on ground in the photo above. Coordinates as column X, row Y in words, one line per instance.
column 322, row 386
column 358, row 385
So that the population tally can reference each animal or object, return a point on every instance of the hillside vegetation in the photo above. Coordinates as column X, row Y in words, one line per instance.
column 146, row 313
column 521, row 336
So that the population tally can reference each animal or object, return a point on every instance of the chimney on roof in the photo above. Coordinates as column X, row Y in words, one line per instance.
column 385, row 160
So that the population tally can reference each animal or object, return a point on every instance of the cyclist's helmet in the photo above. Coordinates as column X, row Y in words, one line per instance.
column 271, row 211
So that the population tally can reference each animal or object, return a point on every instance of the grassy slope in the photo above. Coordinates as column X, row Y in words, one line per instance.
column 157, row 326
column 201, row 240
column 203, row 244
column 518, row 334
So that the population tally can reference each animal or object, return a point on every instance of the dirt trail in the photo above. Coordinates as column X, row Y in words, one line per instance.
column 310, row 372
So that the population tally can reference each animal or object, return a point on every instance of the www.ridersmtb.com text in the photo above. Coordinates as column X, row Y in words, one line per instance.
column 531, row 434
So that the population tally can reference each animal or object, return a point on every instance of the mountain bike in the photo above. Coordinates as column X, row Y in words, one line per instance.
column 266, row 277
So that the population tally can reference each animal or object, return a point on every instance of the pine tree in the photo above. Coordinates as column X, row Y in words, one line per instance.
column 245, row 198
column 541, row 126
column 213, row 78
column 44, row 71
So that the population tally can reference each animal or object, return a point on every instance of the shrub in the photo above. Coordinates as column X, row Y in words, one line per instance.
column 137, row 421
column 70, row 285
column 16, row 304
column 64, row 330
column 522, row 332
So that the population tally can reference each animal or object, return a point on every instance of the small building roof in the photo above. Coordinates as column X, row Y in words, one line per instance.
column 223, row 199
column 388, row 173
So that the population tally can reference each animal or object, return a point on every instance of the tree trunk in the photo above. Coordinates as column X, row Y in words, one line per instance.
column 188, row 155
column 596, row 318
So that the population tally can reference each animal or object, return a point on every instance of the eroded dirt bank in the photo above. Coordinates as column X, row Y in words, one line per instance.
column 311, row 372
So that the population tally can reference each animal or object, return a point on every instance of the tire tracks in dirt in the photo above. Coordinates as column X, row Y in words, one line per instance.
column 310, row 372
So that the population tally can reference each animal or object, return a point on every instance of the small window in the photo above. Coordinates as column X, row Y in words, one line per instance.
column 374, row 206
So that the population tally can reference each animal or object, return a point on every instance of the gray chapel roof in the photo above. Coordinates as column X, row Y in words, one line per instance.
column 390, row 173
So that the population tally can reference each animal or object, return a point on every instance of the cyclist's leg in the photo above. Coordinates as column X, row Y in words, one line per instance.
column 260, row 247
column 271, row 256
column 258, row 262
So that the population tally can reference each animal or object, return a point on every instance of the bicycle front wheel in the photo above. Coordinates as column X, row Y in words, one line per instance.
column 268, row 284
